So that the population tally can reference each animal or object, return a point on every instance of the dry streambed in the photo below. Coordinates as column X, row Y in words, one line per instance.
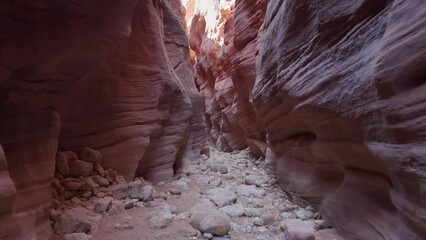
column 225, row 196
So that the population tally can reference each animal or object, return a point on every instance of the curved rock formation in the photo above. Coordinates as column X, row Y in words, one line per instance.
column 339, row 92
column 226, row 75
column 113, row 76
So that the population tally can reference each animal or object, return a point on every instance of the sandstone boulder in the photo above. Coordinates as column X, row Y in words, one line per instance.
column 76, row 220
column 90, row 155
column 80, row 168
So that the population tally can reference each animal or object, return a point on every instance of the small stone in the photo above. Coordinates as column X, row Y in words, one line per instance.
column 124, row 222
column 183, row 216
column 103, row 182
column 76, row 236
column 219, row 168
column 72, row 186
column 202, row 167
column 89, row 184
column 76, row 220
column 250, row 190
column 57, row 185
column 139, row 205
column 258, row 221
column 214, row 182
column 120, row 179
column 119, row 191
column 273, row 181
column 87, row 194
column 69, row 194
column 179, row 184
column 287, row 215
column 248, row 212
column 221, row 196
column 207, row 219
column 257, row 180
column 268, row 218
column 234, row 211
column 90, row 155
column 296, row 229
column 304, row 215
column 99, row 169
column 75, row 200
column 156, row 194
column 62, row 165
column 208, row 235
column 54, row 214
column 128, row 203
column 228, row 177
column 117, row 208
column 161, row 217
column 103, row 204
column 80, row 168
column 175, row 192
column 147, row 193
column 110, row 174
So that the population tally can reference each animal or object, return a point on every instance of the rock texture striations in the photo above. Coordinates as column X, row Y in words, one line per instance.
column 226, row 75
column 332, row 92
column 112, row 76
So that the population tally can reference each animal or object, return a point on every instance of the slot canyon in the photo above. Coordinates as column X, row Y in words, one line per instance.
column 213, row 119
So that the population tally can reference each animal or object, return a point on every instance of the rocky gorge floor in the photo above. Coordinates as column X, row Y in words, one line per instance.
column 225, row 196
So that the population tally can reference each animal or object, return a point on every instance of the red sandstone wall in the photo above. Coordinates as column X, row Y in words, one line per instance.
column 226, row 75
column 339, row 91
column 110, row 75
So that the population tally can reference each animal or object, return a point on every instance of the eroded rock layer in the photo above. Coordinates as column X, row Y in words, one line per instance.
column 113, row 76
column 226, row 75
column 339, row 92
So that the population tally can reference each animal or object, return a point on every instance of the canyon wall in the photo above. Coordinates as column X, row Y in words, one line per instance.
column 335, row 93
column 111, row 75
column 226, row 74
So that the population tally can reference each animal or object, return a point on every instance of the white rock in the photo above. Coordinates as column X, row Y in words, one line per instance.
column 179, row 184
column 221, row 196
column 256, row 180
column 219, row 168
column 207, row 219
column 234, row 211
column 296, row 229
column 257, row 221
column 76, row 236
column 304, row 215
column 117, row 208
column 250, row 190
column 124, row 221
column 161, row 217
column 103, row 204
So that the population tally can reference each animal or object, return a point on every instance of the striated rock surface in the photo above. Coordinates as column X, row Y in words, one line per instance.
column 338, row 90
column 225, row 72
column 114, row 76
column 332, row 93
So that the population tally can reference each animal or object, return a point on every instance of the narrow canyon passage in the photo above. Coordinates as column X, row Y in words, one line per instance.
column 213, row 119
column 231, row 183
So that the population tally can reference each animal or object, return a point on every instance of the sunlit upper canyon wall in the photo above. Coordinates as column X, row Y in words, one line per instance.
column 332, row 94
column 111, row 75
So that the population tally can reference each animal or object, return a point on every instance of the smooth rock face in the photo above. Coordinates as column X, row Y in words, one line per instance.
column 114, row 76
column 331, row 93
